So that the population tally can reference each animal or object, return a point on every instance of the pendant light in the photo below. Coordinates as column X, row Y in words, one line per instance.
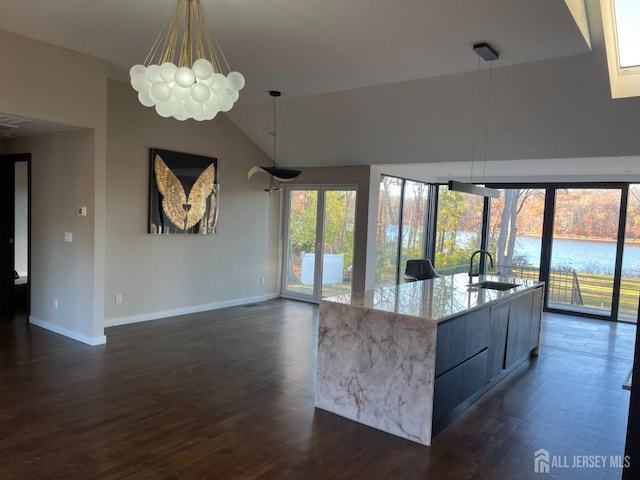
column 183, row 74
column 277, row 173
column 488, row 54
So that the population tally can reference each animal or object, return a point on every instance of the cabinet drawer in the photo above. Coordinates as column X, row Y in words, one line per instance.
column 450, row 345
column 447, row 393
column 474, row 374
column 476, row 332
column 460, row 339
column 458, row 384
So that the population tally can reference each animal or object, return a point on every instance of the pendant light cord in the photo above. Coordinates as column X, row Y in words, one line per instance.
column 274, row 94
column 274, row 131
column 486, row 123
column 475, row 123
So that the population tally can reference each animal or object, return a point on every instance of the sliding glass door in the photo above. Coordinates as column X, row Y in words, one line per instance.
column 319, row 235
column 584, row 250
column 630, row 276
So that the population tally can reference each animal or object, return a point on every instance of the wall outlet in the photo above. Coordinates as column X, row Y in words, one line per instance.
column 82, row 211
column 261, row 280
column 55, row 303
column 118, row 298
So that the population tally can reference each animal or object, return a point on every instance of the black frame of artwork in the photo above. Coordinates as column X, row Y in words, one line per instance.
column 183, row 192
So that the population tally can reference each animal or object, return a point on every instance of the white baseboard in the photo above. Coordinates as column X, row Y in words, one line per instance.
column 145, row 317
column 93, row 341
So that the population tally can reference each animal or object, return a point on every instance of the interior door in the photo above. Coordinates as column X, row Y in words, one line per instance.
column 7, row 212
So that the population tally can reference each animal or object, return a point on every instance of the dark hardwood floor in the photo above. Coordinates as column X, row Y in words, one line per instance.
column 229, row 394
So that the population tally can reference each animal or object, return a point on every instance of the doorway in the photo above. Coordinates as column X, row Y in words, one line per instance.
column 15, row 270
column 319, row 237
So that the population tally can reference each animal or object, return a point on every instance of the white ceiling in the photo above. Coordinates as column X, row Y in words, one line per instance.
column 380, row 82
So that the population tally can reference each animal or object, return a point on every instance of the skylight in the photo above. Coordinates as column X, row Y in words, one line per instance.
column 627, row 21
column 620, row 20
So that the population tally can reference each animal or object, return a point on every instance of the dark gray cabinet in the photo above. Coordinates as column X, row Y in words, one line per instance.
column 447, row 394
column 450, row 343
column 497, row 339
column 519, row 329
column 461, row 361
column 525, row 315
column 536, row 317
column 474, row 374
column 477, row 347
column 461, row 338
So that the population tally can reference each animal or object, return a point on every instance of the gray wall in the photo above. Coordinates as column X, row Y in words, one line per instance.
column 160, row 275
column 66, row 169
column 61, row 181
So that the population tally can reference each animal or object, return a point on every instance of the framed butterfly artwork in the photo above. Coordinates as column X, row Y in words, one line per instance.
column 183, row 194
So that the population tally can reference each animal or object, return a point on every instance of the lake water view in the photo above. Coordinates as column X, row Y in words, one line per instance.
column 581, row 255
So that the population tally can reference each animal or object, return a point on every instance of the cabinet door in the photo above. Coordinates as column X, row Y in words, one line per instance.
column 450, row 343
column 497, row 339
column 519, row 330
column 536, row 317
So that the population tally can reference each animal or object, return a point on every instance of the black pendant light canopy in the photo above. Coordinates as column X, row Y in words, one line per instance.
column 277, row 173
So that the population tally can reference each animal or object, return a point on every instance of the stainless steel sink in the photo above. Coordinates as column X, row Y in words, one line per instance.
column 494, row 285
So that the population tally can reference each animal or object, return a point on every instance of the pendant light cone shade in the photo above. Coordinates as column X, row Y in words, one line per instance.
column 277, row 173
column 182, row 76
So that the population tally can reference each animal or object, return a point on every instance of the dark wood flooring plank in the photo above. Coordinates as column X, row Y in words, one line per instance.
column 230, row 393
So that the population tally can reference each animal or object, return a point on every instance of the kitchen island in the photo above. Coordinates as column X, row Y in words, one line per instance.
column 408, row 358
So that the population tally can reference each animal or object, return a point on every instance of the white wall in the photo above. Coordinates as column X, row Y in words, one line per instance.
column 21, row 258
column 160, row 275
column 74, row 93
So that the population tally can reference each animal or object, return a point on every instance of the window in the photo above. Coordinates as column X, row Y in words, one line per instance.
column 515, row 233
column 388, row 230
column 620, row 20
column 401, row 228
column 414, row 209
column 458, row 229
column 627, row 22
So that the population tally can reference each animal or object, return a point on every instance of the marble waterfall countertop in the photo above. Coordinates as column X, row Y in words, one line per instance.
column 376, row 363
column 437, row 299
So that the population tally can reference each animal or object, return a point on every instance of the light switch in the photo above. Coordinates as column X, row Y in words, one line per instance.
column 68, row 237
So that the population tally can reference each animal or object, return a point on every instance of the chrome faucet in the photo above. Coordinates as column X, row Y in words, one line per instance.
column 471, row 274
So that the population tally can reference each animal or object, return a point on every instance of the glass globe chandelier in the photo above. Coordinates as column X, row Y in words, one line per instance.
column 182, row 74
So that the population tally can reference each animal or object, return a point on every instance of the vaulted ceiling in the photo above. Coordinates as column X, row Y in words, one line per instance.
column 378, row 82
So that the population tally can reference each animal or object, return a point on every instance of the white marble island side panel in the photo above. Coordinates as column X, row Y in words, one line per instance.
column 377, row 368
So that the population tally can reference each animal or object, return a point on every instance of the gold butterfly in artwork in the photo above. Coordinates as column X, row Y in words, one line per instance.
column 184, row 212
